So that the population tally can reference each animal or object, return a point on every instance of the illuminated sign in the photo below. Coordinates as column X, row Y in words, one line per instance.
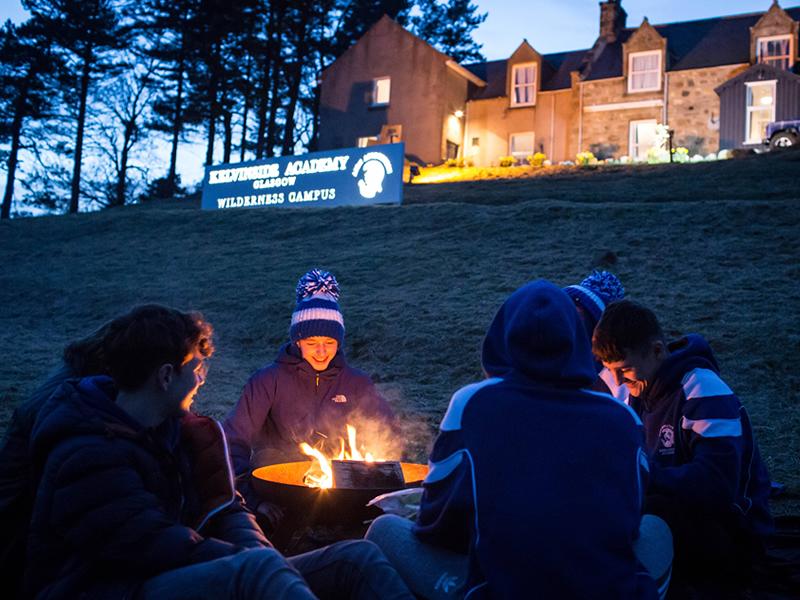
column 347, row 177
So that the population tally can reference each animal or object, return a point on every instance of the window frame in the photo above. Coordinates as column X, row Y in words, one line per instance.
column 365, row 139
column 374, row 99
column 534, row 84
column 748, row 109
column 633, row 55
column 533, row 144
column 631, row 142
column 773, row 38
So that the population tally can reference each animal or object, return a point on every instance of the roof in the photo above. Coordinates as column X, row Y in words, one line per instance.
column 690, row 45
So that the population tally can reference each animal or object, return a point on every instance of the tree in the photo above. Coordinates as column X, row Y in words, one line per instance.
column 122, row 102
column 167, row 28
column 447, row 25
column 27, row 70
column 87, row 32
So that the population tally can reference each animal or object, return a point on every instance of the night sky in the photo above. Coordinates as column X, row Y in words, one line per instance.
column 556, row 25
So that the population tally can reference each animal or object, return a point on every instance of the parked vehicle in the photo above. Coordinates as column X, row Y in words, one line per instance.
column 783, row 134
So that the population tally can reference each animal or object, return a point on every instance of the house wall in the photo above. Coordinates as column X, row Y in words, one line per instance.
column 493, row 121
column 693, row 109
column 423, row 90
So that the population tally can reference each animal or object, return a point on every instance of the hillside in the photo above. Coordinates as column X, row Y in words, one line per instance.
column 713, row 248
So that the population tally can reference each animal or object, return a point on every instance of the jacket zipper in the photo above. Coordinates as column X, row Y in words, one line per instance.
column 317, row 382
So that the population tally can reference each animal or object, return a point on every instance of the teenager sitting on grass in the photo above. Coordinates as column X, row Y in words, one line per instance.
column 707, row 480
column 537, row 479
column 135, row 494
column 80, row 358
column 308, row 394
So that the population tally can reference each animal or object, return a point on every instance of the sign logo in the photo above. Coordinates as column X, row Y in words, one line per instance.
column 666, row 436
column 350, row 176
column 373, row 168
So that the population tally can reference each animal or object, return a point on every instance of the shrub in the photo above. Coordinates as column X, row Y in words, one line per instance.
column 724, row 154
column 680, row 154
column 457, row 163
column 657, row 155
column 584, row 159
column 537, row 160
column 507, row 161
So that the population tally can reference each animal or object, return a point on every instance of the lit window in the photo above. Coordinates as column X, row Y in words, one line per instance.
column 368, row 140
column 775, row 51
column 644, row 71
column 523, row 92
column 381, row 89
column 520, row 145
column 642, row 138
column 760, row 110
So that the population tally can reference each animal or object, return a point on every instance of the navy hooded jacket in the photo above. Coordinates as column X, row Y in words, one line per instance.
column 118, row 503
column 538, row 478
column 700, row 443
column 288, row 402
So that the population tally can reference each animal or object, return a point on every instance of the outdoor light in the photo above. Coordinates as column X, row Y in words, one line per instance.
column 459, row 113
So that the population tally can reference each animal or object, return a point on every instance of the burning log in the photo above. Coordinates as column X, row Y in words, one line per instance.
column 356, row 474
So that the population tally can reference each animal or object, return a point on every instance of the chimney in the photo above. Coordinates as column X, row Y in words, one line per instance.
column 612, row 19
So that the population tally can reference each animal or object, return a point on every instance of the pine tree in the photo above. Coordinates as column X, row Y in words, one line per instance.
column 448, row 25
column 28, row 68
column 86, row 32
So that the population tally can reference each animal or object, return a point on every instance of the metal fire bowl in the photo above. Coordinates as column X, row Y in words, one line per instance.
column 283, row 485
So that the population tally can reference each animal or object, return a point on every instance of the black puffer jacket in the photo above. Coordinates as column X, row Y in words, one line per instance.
column 118, row 503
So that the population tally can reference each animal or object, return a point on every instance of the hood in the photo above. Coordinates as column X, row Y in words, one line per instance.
column 537, row 333
column 289, row 355
column 687, row 353
column 87, row 407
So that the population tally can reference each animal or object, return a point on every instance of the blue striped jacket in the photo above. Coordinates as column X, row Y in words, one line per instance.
column 699, row 440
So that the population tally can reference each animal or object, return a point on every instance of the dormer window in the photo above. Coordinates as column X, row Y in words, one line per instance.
column 523, row 84
column 775, row 51
column 644, row 71
column 381, row 89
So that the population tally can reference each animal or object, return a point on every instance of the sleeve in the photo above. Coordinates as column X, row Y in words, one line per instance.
column 711, row 422
column 238, row 526
column 100, row 507
column 447, row 512
column 246, row 420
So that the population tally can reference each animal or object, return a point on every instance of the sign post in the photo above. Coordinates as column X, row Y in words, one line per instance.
column 346, row 177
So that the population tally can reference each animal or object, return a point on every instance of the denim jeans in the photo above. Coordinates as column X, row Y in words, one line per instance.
column 434, row 573
column 355, row 569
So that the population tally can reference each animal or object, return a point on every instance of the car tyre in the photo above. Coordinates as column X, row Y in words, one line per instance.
column 783, row 139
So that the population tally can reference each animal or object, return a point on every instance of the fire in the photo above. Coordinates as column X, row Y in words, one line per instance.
column 320, row 474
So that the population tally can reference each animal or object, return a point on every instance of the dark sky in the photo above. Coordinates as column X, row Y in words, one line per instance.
column 555, row 25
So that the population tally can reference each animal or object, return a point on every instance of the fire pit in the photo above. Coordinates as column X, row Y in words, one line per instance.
column 284, row 485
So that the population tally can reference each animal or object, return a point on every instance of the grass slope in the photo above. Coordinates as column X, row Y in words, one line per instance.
column 421, row 281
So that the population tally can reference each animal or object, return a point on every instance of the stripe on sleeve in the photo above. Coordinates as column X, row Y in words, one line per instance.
column 702, row 383
column 459, row 401
column 437, row 471
column 713, row 428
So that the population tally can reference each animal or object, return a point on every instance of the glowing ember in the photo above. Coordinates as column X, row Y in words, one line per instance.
column 320, row 474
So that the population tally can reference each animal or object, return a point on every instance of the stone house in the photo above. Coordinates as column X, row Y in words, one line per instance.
column 392, row 86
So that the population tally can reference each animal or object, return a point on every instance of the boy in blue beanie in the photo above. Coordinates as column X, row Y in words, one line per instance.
column 308, row 394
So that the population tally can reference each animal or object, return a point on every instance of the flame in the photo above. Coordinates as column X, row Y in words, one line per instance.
column 320, row 474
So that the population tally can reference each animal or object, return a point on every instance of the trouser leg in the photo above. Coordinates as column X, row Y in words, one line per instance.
column 654, row 551
column 249, row 575
column 354, row 569
column 430, row 572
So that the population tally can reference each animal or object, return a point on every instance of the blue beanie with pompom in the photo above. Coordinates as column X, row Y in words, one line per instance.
column 317, row 310
column 595, row 292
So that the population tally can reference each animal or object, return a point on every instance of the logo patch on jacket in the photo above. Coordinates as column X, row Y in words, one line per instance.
column 666, row 440
column 339, row 399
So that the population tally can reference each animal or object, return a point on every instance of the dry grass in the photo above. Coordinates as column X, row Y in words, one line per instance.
column 713, row 250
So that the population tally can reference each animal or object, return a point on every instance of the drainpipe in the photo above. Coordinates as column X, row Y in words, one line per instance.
column 553, row 126
column 464, row 132
column 665, row 111
column 580, row 119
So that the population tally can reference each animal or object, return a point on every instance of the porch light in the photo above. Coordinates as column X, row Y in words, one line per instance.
column 766, row 101
column 458, row 114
